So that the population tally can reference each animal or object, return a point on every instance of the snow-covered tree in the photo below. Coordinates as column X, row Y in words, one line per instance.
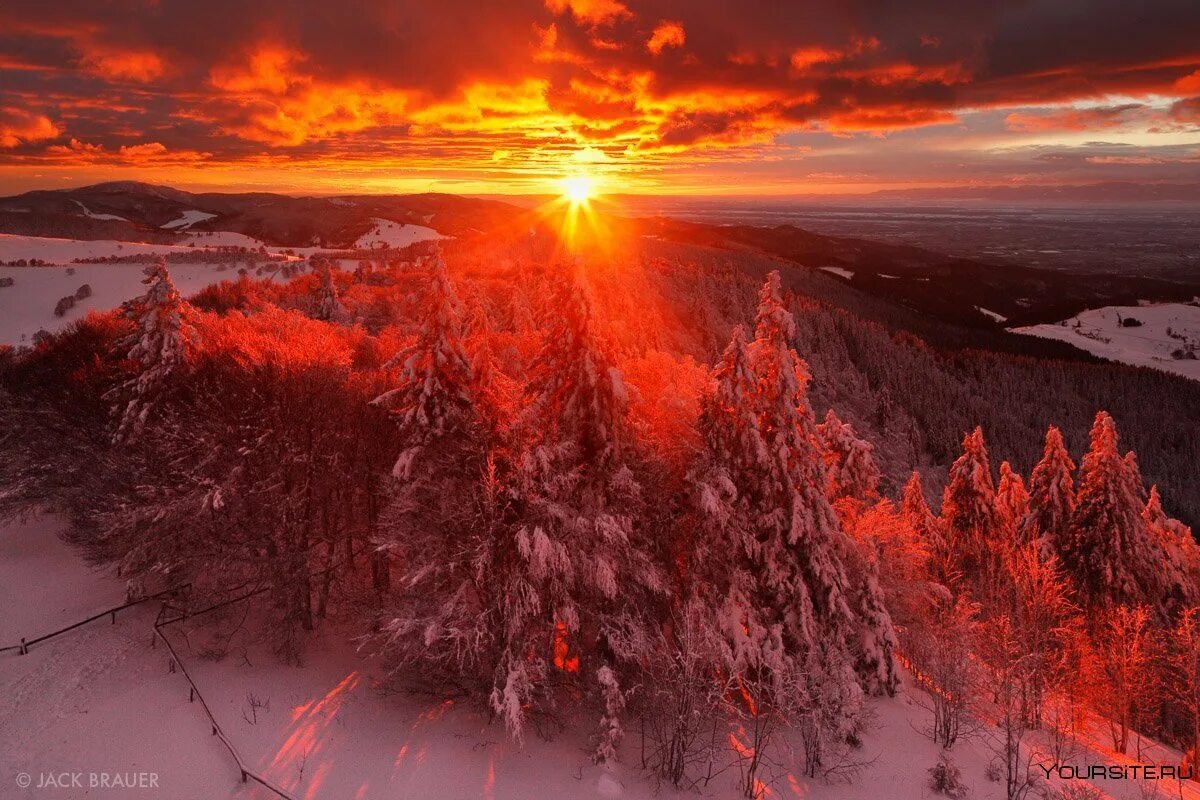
column 327, row 305
column 577, row 562
column 433, row 396
column 158, row 348
column 852, row 471
column 1121, row 668
column 1181, row 563
column 1012, row 502
column 1183, row 676
column 779, row 561
column 1109, row 550
column 969, row 511
column 924, row 524
column 1051, row 495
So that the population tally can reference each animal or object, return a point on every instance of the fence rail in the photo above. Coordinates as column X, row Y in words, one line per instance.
column 24, row 646
column 194, row 694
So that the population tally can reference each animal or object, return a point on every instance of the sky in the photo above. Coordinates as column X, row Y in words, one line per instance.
column 656, row 97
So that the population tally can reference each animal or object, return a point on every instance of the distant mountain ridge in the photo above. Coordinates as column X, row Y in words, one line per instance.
column 134, row 211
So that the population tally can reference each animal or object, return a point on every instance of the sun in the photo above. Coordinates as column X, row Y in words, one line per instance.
column 578, row 189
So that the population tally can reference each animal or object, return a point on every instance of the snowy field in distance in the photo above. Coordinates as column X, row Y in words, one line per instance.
column 387, row 233
column 1166, row 328
column 28, row 305
column 64, row 251
column 188, row 218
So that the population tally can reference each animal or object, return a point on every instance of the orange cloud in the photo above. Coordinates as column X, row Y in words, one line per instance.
column 666, row 34
column 511, row 91
column 1074, row 119
column 18, row 127
column 146, row 153
column 141, row 66
column 805, row 57
column 269, row 68
column 593, row 12
column 887, row 119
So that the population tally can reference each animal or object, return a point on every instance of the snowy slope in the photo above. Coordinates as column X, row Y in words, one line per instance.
column 229, row 239
column 100, row 698
column 1165, row 329
column 387, row 233
column 64, row 251
column 28, row 305
column 87, row 212
column 187, row 219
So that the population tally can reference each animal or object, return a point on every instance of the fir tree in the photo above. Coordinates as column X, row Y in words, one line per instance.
column 969, row 510
column 328, row 306
column 1109, row 550
column 1051, row 496
column 1181, row 572
column 1012, row 502
column 434, row 395
column 787, row 600
column 577, row 501
column 852, row 472
column 925, row 527
column 158, row 349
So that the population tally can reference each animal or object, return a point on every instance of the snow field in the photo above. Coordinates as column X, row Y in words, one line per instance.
column 28, row 305
column 1165, row 328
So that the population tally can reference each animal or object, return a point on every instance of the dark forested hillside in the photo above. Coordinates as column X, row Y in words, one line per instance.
column 916, row 384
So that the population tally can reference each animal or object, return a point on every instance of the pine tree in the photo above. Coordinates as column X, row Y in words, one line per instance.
column 787, row 601
column 434, row 395
column 1181, row 573
column 852, row 471
column 926, row 529
column 915, row 511
column 158, row 348
column 1051, row 496
column 1109, row 550
column 1012, row 502
column 969, row 511
column 577, row 501
column 328, row 306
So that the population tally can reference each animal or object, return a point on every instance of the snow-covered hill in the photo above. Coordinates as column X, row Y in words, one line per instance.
column 387, row 233
column 1164, row 336
column 102, row 699
column 27, row 306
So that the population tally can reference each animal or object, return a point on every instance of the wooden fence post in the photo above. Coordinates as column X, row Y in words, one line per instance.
column 24, row 647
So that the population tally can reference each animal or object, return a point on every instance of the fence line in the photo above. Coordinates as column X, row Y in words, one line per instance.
column 195, row 694
column 194, row 690
column 24, row 646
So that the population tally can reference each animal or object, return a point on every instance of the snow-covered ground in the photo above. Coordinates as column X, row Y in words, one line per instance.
column 28, row 305
column 64, row 251
column 188, row 218
column 843, row 273
column 1166, row 330
column 229, row 239
column 387, row 233
column 87, row 212
column 97, row 699
column 101, row 699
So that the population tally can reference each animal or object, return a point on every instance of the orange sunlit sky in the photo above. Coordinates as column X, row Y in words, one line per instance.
column 644, row 97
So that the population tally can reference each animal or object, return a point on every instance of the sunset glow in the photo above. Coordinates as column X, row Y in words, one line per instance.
column 578, row 189
column 703, row 99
